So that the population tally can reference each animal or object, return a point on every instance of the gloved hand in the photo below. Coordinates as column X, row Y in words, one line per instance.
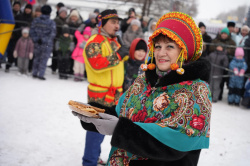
column 40, row 42
column 236, row 71
column 15, row 54
column 242, row 72
column 105, row 125
column 31, row 55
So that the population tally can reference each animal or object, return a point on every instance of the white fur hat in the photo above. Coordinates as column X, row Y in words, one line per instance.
column 136, row 22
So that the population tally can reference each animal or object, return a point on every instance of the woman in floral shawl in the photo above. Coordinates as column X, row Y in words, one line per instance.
column 164, row 117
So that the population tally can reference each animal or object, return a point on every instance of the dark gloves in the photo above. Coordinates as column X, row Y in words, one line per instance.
column 40, row 42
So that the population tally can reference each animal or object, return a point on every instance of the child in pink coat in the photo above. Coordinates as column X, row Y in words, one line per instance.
column 77, row 54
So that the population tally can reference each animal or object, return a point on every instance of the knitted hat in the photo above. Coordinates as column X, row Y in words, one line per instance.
column 46, row 10
column 135, row 22
column 225, row 30
column 87, row 31
column 130, row 11
column 96, row 11
column 25, row 30
column 29, row 6
column 201, row 24
column 230, row 24
column 239, row 52
column 16, row 3
column 182, row 29
column 60, row 4
column 141, row 45
column 63, row 9
column 104, row 16
column 65, row 29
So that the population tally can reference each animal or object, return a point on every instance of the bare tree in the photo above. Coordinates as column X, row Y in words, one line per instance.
column 159, row 7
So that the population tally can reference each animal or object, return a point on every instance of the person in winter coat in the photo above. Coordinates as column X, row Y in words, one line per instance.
column 42, row 32
column 218, row 59
column 60, row 20
column 64, row 47
column 236, row 80
column 246, row 98
column 241, row 38
column 137, row 54
column 151, row 29
column 247, row 54
column 91, row 22
column 74, row 20
column 77, row 54
column 127, row 21
column 134, row 31
column 21, row 20
column 24, row 51
column 25, row 19
column 223, row 43
column 206, row 38
column 164, row 117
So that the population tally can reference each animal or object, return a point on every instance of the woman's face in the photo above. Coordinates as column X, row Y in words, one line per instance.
column 166, row 52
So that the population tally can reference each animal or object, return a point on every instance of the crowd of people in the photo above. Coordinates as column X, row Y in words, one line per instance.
column 63, row 39
column 229, row 54
column 110, row 52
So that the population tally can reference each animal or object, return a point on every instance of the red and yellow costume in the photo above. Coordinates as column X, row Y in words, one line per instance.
column 105, row 70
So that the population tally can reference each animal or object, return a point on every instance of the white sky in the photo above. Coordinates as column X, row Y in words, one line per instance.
column 211, row 8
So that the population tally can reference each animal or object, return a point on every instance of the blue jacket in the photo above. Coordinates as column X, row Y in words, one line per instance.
column 247, row 87
column 43, row 28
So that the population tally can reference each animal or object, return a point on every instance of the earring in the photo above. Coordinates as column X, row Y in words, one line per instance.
column 175, row 66
column 150, row 66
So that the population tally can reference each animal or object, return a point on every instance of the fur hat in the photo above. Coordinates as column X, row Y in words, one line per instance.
column 92, row 15
column 46, row 10
column 182, row 29
column 225, row 30
column 74, row 13
column 145, row 18
column 63, row 9
column 135, row 22
column 230, row 24
column 239, row 52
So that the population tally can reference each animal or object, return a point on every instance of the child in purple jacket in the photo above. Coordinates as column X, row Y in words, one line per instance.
column 24, row 51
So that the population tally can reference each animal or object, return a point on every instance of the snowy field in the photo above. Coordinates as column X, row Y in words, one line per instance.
column 38, row 129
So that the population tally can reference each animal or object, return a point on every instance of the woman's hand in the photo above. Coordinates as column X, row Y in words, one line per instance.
column 105, row 124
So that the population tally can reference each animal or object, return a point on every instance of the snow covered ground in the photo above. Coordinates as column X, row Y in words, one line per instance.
column 38, row 129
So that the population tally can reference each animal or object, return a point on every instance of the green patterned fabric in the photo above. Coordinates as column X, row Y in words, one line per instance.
column 177, row 115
